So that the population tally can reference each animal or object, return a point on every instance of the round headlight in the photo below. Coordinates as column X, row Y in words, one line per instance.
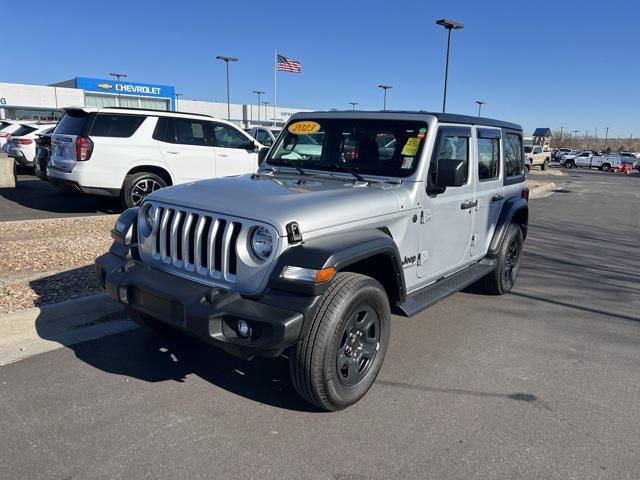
column 149, row 214
column 262, row 243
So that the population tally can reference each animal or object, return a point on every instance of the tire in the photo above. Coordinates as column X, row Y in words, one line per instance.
column 569, row 164
column 503, row 278
column 150, row 323
column 605, row 167
column 526, row 169
column 138, row 186
column 324, row 370
column 545, row 165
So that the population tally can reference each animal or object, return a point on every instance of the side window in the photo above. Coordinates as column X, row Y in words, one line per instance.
column 537, row 150
column 263, row 137
column 488, row 158
column 119, row 126
column 455, row 148
column 513, row 158
column 193, row 132
column 228, row 137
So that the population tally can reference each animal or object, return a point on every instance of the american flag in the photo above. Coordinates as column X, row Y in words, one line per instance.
column 288, row 65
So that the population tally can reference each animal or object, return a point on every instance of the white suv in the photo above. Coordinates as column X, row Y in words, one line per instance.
column 129, row 153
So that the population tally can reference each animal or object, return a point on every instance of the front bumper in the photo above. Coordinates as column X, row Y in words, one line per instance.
column 208, row 313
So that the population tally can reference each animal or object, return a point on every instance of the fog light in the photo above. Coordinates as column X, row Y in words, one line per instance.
column 243, row 329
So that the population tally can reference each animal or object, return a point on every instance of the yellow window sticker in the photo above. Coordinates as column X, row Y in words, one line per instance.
column 411, row 147
column 304, row 128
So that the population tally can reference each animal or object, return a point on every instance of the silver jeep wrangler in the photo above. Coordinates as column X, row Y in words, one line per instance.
column 351, row 216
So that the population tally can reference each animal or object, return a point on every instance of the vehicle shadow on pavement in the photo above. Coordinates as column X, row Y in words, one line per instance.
column 154, row 357
column 35, row 194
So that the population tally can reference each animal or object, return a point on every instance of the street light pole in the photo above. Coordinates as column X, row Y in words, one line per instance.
column 118, row 77
column 265, row 110
column 258, row 92
column 449, row 25
column 606, row 137
column 560, row 141
column 353, row 104
column 177, row 95
column 226, row 60
column 480, row 103
column 385, row 88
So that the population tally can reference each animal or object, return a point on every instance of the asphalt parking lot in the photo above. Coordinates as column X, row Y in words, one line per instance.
column 541, row 383
column 34, row 199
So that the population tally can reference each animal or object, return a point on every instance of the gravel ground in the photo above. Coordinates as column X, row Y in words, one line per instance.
column 48, row 261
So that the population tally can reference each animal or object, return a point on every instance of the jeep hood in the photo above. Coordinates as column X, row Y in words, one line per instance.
column 315, row 203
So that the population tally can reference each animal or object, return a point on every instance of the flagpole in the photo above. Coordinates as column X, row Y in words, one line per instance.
column 275, row 85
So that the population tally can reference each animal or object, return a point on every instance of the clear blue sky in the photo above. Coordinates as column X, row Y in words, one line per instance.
column 539, row 63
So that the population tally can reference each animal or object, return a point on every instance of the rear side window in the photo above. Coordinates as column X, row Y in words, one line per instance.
column 488, row 158
column 184, row 131
column 228, row 137
column 23, row 130
column 513, row 157
column 73, row 122
column 116, row 125
column 4, row 124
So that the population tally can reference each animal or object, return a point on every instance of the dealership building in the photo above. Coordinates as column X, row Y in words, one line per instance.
column 44, row 102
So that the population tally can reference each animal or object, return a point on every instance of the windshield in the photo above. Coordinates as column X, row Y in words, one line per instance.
column 528, row 149
column 389, row 148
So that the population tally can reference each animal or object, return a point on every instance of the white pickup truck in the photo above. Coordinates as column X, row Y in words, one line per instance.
column 536, row 156
column 591, row 160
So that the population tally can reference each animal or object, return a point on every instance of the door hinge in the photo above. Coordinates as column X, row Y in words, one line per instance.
column 425, row 215
column 423, row 257
column 474, row 239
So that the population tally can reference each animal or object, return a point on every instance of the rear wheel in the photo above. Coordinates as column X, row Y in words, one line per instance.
column 605, row 167
column 569, row 164
column 137, row 186
column 338, row 360
column 503, row 278
column 545, row 165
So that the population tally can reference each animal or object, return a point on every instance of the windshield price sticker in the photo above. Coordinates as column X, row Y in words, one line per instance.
column 304, row 128
column 411, row 147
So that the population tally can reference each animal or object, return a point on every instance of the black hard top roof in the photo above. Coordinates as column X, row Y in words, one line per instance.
column 408, row 115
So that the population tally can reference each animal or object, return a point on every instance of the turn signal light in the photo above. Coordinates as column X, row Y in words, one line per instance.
column 84, row 148
column 325, row 274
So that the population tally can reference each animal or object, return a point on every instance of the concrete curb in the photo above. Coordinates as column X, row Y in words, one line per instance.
column 41, row 329
column 7, row 171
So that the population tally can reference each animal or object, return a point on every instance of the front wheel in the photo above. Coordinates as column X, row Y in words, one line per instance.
column 338, row 360
column 545, row 165
column 605, row 167
column 569, row 164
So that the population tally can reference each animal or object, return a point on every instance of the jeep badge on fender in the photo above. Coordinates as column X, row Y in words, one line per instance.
column 310, row 254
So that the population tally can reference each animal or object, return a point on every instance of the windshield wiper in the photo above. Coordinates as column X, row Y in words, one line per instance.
column 289, row 163
column 342, row 166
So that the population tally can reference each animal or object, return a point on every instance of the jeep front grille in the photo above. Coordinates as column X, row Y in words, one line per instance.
column 196, row 243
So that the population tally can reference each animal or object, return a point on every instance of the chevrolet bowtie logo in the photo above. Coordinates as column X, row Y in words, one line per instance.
column 104, row 86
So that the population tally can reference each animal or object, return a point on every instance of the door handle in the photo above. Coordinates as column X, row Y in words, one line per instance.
column 173, row 152
column 496, row 198
column 468, row 205
column 224, row 155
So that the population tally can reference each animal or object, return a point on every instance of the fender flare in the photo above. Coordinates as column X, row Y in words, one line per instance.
column 337, row 250
column 512, row 207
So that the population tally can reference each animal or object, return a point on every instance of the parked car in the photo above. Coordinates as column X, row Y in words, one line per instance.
column 537, row 156
column 7, row 127
column 590, row 159
column 43, row 154
column 129, row 153
column 22, row 142
column 310, row 255
column 559, row 152
column 266, row 136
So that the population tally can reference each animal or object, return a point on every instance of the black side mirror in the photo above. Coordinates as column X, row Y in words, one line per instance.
column 262, row 153
column 451, row 173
